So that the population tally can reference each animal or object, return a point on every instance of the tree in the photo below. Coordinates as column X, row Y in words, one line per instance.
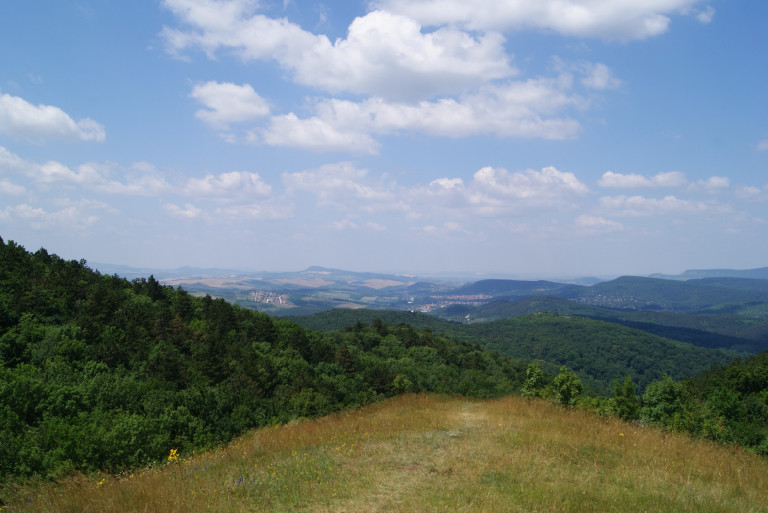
column 567, row 386
column 626, row 403
column 534, row 380
column 662, row 401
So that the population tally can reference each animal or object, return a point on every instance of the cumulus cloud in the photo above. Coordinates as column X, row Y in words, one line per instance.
column 228, row 186
column 341, row 185
column 598, row 76
column 384, row 54
column 446, row 82
column 596, row 224
column 640, row 206
column 752, row 193
column 11, row 189
column 140, row 179
column 490, row 192
column 19, row 118
column 188, row 211
column 314, row 134
column 497, row 191
column 525, row 109
column 610, row 19
column 711, row 184
column 37, row 218
column 544, row 185
column 228, row 103
column 635, row 181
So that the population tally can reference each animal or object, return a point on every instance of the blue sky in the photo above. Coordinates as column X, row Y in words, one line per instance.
column 535, row 139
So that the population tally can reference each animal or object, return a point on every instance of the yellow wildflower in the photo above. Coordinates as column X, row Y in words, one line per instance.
column 173, row 455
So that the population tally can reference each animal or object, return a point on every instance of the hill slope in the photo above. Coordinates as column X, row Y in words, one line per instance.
column 739, row 333
column 430, row 453
column 600, row 352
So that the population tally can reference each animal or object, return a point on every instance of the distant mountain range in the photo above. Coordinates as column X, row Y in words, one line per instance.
column 760, row 273
column 315, row 289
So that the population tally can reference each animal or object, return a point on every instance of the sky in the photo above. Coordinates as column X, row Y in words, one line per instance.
column 530, row 139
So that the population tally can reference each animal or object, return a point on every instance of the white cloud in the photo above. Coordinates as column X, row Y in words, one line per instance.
column 635, row 181
column 18, row 118
column 496, row 191
column 445, row 82
column 349, row 224
column 384, row 54
column 545, row 185
column 228, row 103
column 229, row 185
column 10, row 161
column 188, row 211
column 375, row 227
column 53, row 171
column 268, row 210
column 669, row 179
column 762, row 145
column 315, row 134
column 611, row 19
column 527, row 109
column 388, row 56
column 711, row 184
column 596, row 224
column 36, row 218
column 139, row 180
column 344, row 186
column 752, row 193
column 344, row 224
column 598, row 76
column 706, row 15
column 640, row 206
column 11, row 189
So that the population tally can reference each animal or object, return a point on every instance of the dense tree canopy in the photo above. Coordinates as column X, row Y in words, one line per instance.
column 100, row 372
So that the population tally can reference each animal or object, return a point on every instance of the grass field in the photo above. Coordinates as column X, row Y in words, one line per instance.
column 430, row 453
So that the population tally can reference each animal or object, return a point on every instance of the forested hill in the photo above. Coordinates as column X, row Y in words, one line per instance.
column 601, row 352
column 100, row 372
column 740, row 333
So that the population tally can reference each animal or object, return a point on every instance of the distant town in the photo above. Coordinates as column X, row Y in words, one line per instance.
column 443, row 301
column 267, row 297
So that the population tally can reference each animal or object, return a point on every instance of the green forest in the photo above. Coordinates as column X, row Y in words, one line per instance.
column 600, row 352
column 98, row 372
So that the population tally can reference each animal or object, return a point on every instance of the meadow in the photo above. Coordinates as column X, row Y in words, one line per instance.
column 420, row 452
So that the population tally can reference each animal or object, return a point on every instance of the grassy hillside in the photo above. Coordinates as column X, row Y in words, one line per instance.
column 428, row 454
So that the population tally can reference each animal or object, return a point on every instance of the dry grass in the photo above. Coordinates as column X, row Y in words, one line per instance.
column 427, row 453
